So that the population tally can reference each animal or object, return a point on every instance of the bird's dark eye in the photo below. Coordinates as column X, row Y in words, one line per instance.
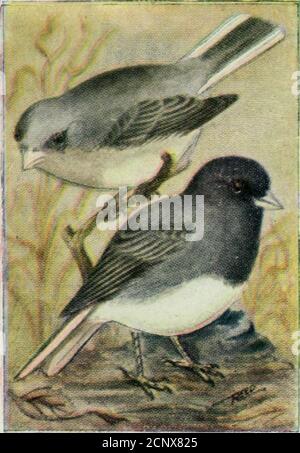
column 17, row 135
column 237, row 185
column 57, row 141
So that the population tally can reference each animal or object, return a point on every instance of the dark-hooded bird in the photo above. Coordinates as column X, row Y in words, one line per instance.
column 110, row 130
column 157, row 281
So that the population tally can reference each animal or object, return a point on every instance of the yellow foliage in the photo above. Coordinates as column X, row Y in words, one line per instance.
column 42, row 275
column 271, row 294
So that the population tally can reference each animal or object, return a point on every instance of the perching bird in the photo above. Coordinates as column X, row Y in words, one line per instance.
column 161, row 283
column 110, row 130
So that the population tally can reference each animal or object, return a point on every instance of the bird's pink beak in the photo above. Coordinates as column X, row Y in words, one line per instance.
column 31, row 159
column 269, row 202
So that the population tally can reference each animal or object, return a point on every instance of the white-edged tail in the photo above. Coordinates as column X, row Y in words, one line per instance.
column 233, row 44
column 61, row 347
column 73, row 345
column 249, row 55
column 216, row 36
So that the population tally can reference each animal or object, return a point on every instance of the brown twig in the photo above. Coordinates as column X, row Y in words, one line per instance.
column 45, row 404
column 152, row 186
column 74, row 239
column 75, row 242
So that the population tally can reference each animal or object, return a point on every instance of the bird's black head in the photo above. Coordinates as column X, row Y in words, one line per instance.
column 234, row 179
column 235, row 190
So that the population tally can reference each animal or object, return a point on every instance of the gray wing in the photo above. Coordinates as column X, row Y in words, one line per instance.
column 156, row 119
column 129, row 254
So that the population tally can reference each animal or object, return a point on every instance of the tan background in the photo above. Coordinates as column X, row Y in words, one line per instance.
column 55, row 46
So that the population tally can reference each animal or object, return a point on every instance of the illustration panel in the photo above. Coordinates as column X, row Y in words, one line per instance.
column 150, row 186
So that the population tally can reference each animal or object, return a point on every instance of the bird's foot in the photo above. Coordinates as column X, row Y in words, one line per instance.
column 205, row 371
column 165, row 172
column 147, row 385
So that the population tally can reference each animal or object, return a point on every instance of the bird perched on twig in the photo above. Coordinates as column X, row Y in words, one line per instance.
column 110, row 130
column 157, row 281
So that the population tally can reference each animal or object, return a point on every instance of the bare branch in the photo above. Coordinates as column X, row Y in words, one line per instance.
column 74, row 239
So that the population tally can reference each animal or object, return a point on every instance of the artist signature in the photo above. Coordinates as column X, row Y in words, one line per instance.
column 241, row 395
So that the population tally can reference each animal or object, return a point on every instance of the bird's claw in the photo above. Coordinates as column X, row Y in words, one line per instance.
column 146, row 384
column 152, row 186
column 205, row 371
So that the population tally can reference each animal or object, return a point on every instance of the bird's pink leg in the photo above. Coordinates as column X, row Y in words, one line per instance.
column 139, row 377
column 205, row 371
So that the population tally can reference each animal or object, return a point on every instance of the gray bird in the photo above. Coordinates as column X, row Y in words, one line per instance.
column 110, row 130
column 157, row 281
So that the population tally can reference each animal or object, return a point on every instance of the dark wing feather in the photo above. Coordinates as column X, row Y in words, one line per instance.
column 128, row 255
column 156, row 119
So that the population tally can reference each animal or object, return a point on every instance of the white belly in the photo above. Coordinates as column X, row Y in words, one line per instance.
column 111, row 168
column 177, row 311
